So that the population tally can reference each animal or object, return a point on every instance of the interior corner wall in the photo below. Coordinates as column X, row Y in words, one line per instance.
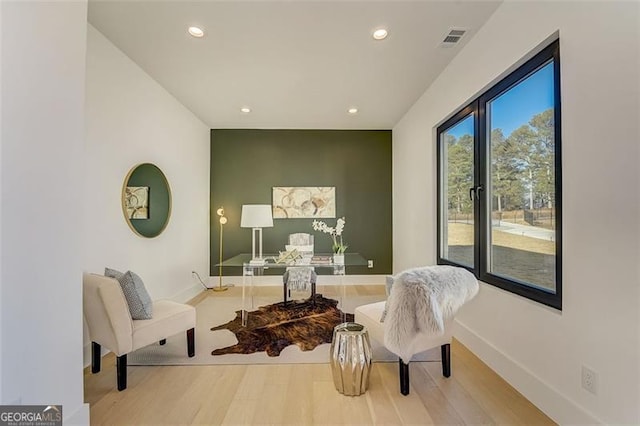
column 1, row 127
column 131, row 119
column 539, row 350
column 43, row 88
column 247, row 164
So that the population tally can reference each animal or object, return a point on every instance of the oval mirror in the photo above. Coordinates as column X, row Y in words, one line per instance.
column 146, row 200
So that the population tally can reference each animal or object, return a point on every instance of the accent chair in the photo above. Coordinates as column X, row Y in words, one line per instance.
column 369, row 316
column 419, row 313
column 110, row 324
column 300, row 277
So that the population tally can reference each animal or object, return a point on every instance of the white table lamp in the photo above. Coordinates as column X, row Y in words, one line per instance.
column 256, row 217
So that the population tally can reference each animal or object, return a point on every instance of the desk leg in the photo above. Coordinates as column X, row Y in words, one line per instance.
column 245, row 273
column 252, row 277
column 340, row 270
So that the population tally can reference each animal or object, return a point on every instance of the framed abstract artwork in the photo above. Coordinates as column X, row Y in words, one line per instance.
column 137, row 202
column 304, row 202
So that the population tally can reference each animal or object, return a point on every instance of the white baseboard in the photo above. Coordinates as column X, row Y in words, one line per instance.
column 188, row 293
column 554, row 404
column 271, row 280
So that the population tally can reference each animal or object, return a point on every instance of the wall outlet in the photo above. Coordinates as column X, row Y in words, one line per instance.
column 370, row 263
column 589, row 380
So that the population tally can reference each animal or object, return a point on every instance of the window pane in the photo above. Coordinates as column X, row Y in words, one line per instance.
column 522, row 237
column 457, row 145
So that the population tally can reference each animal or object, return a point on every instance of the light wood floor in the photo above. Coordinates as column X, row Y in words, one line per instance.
column 299, row 394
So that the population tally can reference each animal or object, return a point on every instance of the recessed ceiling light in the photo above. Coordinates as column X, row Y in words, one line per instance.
column 380, row 34
column 196, row 32
column 245, row 110
column 352, row 110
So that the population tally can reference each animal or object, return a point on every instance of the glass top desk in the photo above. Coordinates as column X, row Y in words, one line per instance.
column 249, row 271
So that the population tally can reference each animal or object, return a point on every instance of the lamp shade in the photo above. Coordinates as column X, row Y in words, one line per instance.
column 256, row 216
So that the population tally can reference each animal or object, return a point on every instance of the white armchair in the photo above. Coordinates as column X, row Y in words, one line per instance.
column 369, row 316
column 110, row 324
column 419, row 314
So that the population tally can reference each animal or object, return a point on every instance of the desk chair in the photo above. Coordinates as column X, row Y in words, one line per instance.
column 300, row 277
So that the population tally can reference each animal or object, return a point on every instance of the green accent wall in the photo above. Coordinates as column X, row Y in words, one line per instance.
column 247, row 164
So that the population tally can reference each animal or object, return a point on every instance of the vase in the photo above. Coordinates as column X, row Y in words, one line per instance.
column 338, row 259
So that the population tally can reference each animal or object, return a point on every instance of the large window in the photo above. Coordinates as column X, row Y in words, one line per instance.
column 499, row 187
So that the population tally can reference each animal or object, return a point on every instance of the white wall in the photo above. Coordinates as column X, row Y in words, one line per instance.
column 43, row 76
column 1, row 127
column 539, row 350
column 131, row 119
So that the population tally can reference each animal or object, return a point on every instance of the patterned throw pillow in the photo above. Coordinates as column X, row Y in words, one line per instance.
column 138, row 299
column 112, row 273
column 390, row 279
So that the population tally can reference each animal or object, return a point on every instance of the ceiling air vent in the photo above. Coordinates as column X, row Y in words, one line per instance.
column 453, row 37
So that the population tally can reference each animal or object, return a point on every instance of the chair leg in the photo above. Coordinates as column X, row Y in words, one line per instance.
column 121, row 367
column 446, row 359
column 163, row 342
column 95, row 357
column 404, row 377
column 284, row 286
column 191, row 342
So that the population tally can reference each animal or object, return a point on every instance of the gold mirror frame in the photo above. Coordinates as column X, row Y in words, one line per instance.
column 158, row 210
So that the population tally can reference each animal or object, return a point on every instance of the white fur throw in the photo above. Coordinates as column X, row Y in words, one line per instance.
column 421, row 300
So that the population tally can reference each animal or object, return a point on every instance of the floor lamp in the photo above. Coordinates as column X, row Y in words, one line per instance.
column 223, row 221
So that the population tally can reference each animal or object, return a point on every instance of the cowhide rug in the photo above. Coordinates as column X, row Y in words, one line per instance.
column 272, row 328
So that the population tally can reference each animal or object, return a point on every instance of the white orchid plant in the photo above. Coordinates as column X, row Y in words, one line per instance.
column 339, row 247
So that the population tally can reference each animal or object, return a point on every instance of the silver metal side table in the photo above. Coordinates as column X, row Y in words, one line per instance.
column 350, row 358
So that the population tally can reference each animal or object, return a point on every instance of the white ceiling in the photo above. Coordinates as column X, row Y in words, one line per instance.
column 296, row 64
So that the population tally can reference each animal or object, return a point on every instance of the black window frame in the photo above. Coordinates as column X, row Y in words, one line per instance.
column 477, row 107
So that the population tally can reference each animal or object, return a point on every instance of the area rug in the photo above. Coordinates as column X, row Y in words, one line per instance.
column 213, row 312
column 274, row 327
